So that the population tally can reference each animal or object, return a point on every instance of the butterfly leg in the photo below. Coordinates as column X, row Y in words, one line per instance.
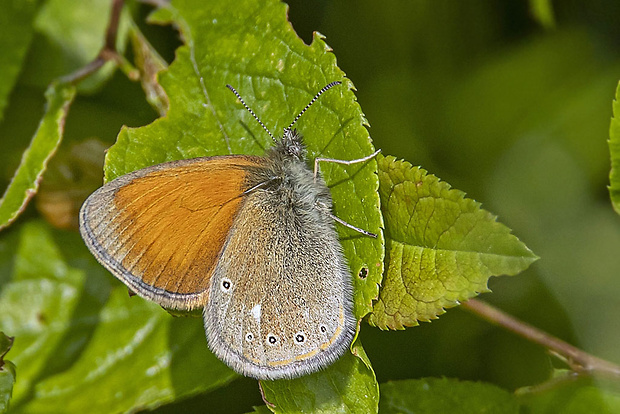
column 352, row 227
column 346, row 162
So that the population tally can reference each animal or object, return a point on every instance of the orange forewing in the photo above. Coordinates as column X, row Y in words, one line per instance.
column 161, row 229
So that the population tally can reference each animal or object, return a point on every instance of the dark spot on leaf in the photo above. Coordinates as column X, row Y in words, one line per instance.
column 363, row 273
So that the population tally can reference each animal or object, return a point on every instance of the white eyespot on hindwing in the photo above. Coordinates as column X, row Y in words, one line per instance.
column 272, row 339
column 300, row 338
column 225, row 285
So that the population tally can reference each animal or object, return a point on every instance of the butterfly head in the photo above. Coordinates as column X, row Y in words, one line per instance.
column 291, row 144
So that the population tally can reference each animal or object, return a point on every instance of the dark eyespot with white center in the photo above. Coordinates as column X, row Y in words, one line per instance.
column 249, row 336
column 272, row 339
column 323, row 328
column 300, row 337
column 225, row 285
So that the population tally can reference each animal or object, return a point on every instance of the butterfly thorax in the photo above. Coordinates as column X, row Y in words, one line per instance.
column 292, row 179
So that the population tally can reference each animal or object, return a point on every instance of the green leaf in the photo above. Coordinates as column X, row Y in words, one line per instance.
column 441, row 247
column 16, row 32
column 7, row 373
column 252, row 47
column 435, row 395
column 348, row 386
column 25, row 183
column 77, row 338
column 614, row 149
column 567, row 393
column 36, row 301
column 139, row 357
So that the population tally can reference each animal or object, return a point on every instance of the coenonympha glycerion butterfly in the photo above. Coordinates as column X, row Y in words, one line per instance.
column 249, row 239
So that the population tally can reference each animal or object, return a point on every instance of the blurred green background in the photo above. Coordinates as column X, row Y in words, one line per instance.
column 511, row 108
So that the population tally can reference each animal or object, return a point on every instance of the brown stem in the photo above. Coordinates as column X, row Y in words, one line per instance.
column 579, row 361
column 107, row 53
column 111, row 32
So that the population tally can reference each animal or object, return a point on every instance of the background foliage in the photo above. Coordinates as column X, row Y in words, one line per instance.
column 505, row 101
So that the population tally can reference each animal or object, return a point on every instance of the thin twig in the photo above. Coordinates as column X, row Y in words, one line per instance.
column 107, row 53
column 577, row 359
column 115, row 18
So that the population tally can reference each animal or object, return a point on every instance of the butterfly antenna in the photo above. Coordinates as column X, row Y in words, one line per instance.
column 252, row 112
column 319, row 93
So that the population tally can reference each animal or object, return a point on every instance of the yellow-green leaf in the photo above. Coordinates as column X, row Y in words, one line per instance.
column 441, row 248
column 25, row 182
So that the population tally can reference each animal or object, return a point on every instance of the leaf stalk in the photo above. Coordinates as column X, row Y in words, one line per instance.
column 577, row 359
